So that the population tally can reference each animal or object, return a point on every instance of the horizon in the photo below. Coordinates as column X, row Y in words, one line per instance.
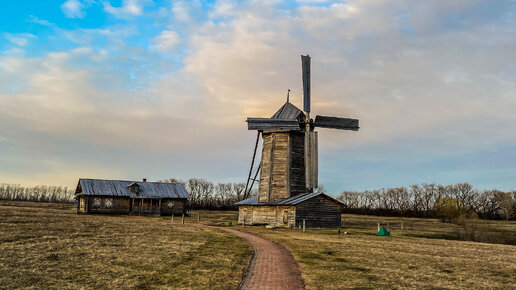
column 138, row 89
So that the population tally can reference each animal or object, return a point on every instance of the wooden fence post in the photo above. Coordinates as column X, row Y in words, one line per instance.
column 402, row 228
column 378, row 227
column 172, row 220
column 304, row 225
column 198, row 217
column 183, row 219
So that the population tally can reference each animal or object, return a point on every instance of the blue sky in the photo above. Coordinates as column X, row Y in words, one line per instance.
column 157, row 89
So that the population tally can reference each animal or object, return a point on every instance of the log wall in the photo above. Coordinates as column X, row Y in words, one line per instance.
column 104, row 204
column 124, row 205
column 319, row 212
column 280, row 216
column 172, row 206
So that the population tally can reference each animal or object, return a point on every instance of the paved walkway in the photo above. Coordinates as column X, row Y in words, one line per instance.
column 272, row 265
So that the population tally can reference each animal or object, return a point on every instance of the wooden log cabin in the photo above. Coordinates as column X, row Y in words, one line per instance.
column 318, row 210
column 130, row 197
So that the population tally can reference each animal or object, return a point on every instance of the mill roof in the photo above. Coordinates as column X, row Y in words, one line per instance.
column 293, row 200
column 287, row 111
column 119, row 188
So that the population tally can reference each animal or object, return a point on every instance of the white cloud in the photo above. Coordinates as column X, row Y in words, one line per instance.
column 181, row 10
column 128, row 8
column 20, row 39
column 224, row 8
column 166, row 41
column 39, row 21
column 73, row 8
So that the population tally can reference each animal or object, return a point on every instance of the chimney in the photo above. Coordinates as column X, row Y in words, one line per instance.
column 145, row 180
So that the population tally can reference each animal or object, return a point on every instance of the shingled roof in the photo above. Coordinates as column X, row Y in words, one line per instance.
column 288, row 111
column 101, row 187
column 293, row 200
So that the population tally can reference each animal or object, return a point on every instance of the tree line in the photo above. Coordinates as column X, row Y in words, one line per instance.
column 208, row 195
column 43, row 193
column 447, row 202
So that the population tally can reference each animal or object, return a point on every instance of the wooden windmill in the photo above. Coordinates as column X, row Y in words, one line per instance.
column 289, row 152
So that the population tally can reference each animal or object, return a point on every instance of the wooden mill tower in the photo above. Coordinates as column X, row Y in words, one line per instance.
column 289, row 164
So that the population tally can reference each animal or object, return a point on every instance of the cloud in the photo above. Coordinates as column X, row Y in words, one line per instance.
column 401, row 86
column 181, row 10
column 73, row 8
column 426, row 80
column 39, row 21
column 20, row 39
column 166, row 41
column 128, row 8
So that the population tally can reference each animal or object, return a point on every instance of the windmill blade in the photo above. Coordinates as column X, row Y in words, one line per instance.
column 272, row 124
column 305, row 63
column 336, row 123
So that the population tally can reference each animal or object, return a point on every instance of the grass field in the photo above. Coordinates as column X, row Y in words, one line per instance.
column 416, row 259
column 48, row 245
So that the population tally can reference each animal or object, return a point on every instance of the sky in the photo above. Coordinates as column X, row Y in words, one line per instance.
column 137, row 89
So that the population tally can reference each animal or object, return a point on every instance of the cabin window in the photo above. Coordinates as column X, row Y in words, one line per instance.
column 285, row 217
column 96, row 202
column 108, row 202
column 170, row 204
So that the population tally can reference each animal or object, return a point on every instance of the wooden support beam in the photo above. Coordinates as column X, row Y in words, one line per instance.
column 252, row 163
column 271, row 168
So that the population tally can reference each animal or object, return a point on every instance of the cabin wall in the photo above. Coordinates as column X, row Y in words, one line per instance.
column 319, row 212
column 104, row 204
column 82, row 205
column 171, row 206
column 145, row 206
column 280, row 216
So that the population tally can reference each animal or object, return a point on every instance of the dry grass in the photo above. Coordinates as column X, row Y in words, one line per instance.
column 364, row 260
column 48, row 245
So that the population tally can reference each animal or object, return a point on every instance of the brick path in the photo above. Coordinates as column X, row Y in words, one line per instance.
column 272, row 265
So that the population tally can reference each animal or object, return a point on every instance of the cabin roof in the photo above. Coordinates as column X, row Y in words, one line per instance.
column 119, row 188
column 293, row 200
column 287, row 111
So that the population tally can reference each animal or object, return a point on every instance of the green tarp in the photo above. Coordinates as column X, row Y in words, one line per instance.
column 383, row 232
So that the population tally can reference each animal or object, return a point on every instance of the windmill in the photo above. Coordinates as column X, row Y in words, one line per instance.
column 289, row 164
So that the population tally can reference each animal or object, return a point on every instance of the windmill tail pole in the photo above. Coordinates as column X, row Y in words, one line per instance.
column 252, row 163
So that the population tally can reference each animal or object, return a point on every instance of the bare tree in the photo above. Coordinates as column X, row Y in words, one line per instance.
column 507, row 204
